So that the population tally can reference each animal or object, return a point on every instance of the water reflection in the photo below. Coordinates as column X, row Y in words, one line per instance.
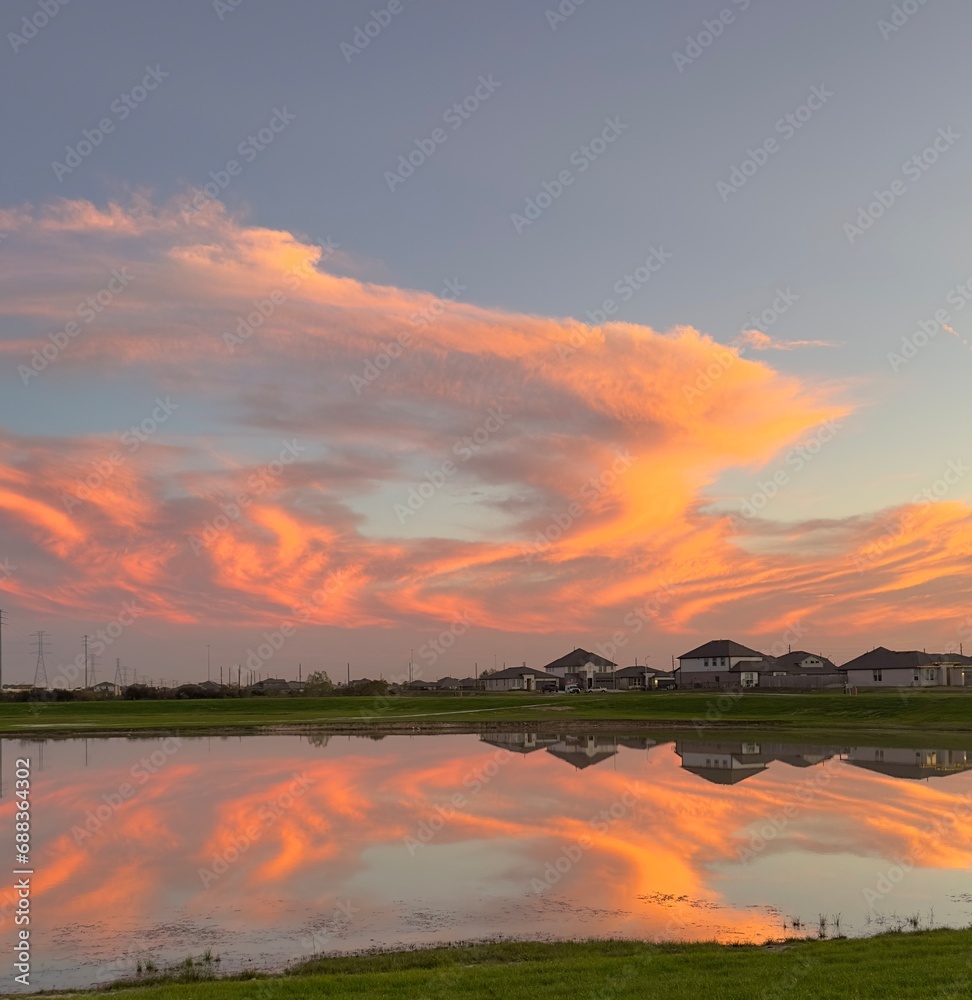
column 267, row 847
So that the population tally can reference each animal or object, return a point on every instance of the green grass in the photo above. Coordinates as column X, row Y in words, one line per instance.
column 925, row 711
column 890, row 967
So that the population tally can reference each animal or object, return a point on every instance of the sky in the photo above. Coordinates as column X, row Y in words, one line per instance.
column 469, row 334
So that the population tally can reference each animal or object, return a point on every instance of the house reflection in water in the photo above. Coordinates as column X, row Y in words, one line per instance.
column 577, row 749
column 728, row 763
column 898, row 762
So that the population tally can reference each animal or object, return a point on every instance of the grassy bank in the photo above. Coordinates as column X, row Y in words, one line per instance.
column 924, row 711
column 928, row 964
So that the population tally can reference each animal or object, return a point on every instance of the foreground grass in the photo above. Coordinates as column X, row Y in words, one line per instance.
column 891, row 967
column 925, row 711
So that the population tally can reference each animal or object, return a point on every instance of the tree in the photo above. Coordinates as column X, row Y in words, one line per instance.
column 318, row 683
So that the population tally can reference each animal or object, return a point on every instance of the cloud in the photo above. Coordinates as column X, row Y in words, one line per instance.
column 760, row 341
column 403, row 456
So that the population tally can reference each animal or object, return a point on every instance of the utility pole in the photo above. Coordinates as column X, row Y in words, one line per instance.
column 40, row 671
column 2, row 623
column 86, row 662
column 207, row 661
column 349, row 676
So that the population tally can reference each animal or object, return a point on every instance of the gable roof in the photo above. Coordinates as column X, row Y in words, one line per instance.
column 890, row 659
column 510, row 672
column 792, row 661
column 577, row 658
column 641, row 671
column 719, row 647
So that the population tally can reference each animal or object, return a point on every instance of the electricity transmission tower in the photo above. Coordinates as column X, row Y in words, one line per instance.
column 40, row 671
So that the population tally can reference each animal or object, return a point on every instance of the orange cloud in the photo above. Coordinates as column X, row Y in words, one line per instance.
column 448, row 459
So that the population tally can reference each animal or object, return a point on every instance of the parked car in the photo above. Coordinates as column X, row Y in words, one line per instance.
column 572, row 689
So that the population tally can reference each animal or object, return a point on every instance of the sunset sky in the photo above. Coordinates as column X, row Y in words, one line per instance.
column 614, row 325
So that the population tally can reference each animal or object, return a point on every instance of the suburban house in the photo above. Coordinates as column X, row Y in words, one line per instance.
column 723, row 663
column 883, row 667
column 583, row 751
column 107, row 688
column 908, row 763
column 522, row 678
column 581, row 665
column 709, row 665
column 519, row 742
column 636, row 679
column 728, row 763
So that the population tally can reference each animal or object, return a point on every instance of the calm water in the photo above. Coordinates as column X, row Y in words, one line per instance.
column 267, row 848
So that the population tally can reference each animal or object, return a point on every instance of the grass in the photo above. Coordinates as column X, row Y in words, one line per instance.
column 805, row 713
column 918, row 965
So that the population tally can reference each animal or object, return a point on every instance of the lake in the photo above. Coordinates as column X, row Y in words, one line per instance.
column 268, row 848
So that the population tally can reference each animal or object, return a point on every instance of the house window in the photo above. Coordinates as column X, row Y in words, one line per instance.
column 707, row 661
column 877, row 675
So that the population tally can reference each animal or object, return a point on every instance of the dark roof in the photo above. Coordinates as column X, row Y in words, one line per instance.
column 519, row 672
column 890, row 659
column 640, row 672
column 577, row 658
column 720, row 647
column 791, row 662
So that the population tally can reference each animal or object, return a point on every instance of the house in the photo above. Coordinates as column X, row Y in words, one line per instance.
column 447, row 684
column 726, row 763
column 797, row 669
column 519, row 742
column 107, row 688
column 883, row 668
column 583, row 751
column 908, row 763
column 521, row 678
column 643, row 678
column 709, row 665
column 582, row 665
